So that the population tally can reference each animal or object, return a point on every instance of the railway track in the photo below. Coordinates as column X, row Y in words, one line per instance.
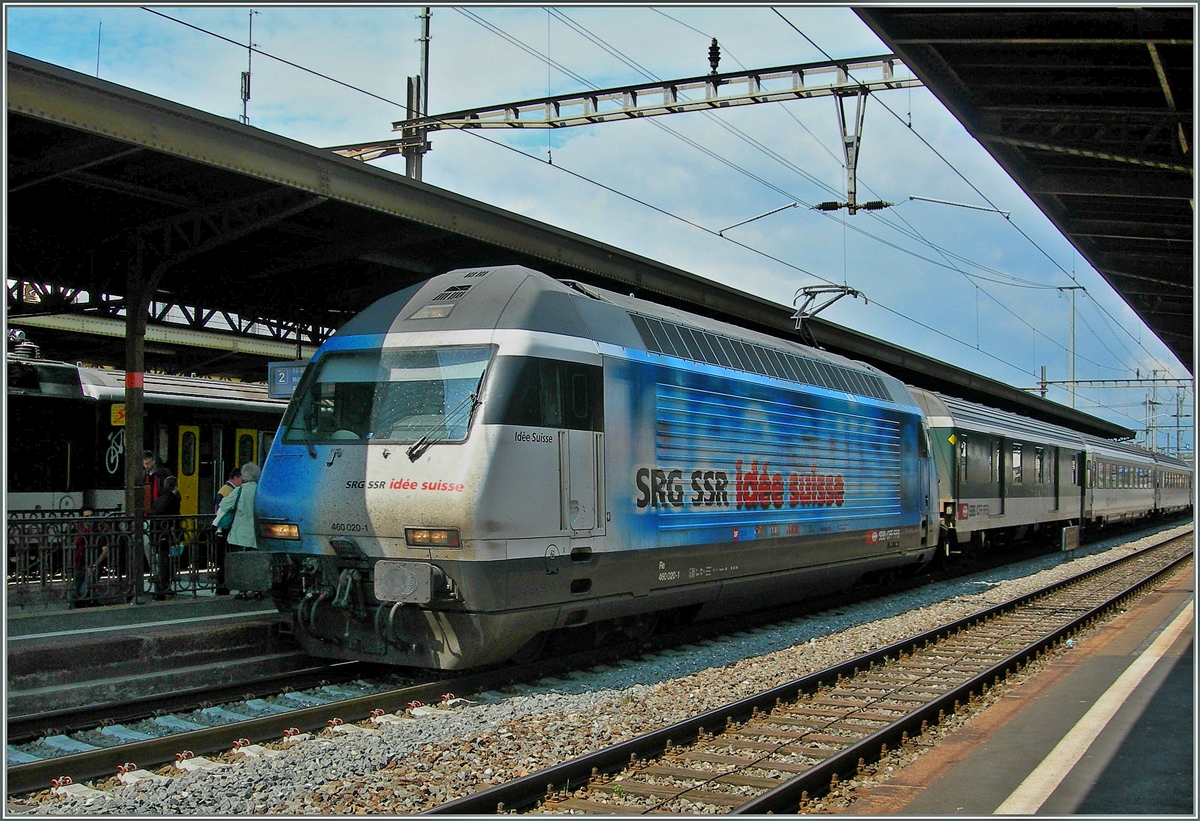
column 92, row 744
column 775, row 751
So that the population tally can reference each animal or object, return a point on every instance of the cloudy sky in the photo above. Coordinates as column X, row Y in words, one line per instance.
column 961, row 284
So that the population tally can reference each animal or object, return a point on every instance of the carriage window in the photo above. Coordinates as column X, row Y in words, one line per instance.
column 994, row 462
column 1039, row 465
column 187, row 456
column 245, row 449
column 1016, row 464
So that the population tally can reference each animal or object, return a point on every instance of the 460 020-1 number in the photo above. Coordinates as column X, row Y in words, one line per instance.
column 348, row 527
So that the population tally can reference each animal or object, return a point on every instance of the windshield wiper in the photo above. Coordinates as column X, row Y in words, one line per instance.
column 308, row 436
column 422, row 444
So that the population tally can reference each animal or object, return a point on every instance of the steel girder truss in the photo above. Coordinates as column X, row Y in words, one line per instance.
column 72, row 305
column 704, row 93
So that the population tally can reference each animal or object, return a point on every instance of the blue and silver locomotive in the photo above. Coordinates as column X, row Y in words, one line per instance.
column 493, row 455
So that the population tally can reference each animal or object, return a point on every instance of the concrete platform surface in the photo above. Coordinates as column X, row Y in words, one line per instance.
column 1085, row 735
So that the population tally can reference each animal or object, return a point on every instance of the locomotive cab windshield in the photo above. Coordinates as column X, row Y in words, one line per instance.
column 393, row 395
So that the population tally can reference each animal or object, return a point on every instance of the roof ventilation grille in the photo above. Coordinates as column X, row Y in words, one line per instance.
column 455, row 292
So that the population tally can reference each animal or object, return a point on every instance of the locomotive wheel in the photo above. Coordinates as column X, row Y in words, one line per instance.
column 639, row 627
column 531, row 650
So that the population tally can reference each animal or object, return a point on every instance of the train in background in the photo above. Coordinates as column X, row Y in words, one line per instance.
column 493, row 456
column 66, row 433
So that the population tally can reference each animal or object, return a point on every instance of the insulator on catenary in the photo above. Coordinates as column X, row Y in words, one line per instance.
column 873, row 205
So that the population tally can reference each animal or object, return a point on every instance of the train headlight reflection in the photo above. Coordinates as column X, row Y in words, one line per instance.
column 280, row 530
column 431, row 537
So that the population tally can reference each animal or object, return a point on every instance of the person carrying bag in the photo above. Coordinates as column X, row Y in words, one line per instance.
column 235, row 518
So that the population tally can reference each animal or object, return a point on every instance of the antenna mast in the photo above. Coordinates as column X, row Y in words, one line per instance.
column 246, row 74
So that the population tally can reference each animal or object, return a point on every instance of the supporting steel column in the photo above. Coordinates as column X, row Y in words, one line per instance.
column 137, row 302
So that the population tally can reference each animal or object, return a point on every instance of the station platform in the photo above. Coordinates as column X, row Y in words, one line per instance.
column 56, row 620
column 1107, row 728
column 57, row 658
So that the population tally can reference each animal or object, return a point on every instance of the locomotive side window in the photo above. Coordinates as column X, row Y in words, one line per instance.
column 1016, row 464
column 579, row 396
column 544, row 393
column 551, row 394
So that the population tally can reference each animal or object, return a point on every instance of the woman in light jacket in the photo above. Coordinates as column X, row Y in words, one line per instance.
column 241, row 532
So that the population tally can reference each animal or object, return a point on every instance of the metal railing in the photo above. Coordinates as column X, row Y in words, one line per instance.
column 57, row 557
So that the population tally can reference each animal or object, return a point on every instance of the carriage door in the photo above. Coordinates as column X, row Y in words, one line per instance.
column 1002, row 474
column 214, row 469
column 927, row 481
column 1054, row 478
column 189, row 469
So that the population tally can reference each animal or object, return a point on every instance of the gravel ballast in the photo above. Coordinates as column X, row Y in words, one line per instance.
column 498, row 736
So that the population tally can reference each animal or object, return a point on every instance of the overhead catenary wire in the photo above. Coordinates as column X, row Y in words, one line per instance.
column 913, row 233
column 584, row 178
column 530, row 50
column 985, row 198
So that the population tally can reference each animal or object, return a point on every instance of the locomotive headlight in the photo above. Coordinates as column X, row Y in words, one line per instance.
column 280, row 530
column 431, row 537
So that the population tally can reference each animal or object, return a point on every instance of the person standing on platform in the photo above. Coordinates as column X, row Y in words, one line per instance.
column 166, row 532
column 220, row 542
column 241, row 530
column 86, row 575
column 156, row 475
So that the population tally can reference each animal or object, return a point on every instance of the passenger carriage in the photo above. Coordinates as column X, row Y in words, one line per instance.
column 1001, row 474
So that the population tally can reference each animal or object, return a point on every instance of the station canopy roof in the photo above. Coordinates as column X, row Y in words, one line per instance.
column 1089, row 109
column 246, row 231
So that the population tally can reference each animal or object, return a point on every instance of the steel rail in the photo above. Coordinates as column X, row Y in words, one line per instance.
column 525, row 791
column 816, row 781
column 103, row 762
column 22, row 729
